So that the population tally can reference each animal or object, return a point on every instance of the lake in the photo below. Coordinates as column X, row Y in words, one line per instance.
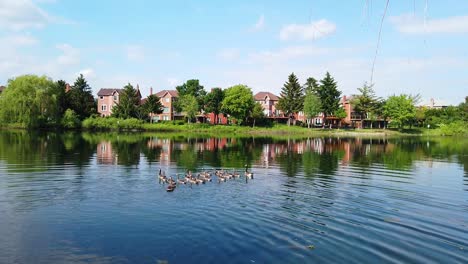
column 83, row 197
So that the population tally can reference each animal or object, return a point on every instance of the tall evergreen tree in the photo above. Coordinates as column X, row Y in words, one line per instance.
column 58, row 90
column 213, row 102
column 152, row 105
column 291, row 98
column 80, row 98
column 128, row 103
column 311, row 85
column 365, row 103
column 329, row 96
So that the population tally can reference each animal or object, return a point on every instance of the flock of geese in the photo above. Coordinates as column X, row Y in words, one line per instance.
column 202, row 177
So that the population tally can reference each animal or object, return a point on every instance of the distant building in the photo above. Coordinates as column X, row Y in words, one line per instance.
column 268, row 102
column 108, row 98
column 432, row 105
column 168, row 99
column 356, row 119
column 2, row 88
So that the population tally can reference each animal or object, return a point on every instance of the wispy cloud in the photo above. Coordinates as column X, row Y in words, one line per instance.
column 18, row 40
column 314, row 30
column 288, row 53
column 259, row 25
column 69, row 56
column 135, row 53
column 228, row 54
column 21, row 14
column 410, row 24
column 173, row 82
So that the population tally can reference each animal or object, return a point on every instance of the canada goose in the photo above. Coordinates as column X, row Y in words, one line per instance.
column 181, row 181
column 161, row 175
column 247, row 173
column 171, row 187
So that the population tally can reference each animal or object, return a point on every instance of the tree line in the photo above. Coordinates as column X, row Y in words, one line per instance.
column 38, row 101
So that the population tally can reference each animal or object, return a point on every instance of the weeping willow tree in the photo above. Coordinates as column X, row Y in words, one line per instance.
column 29, row 101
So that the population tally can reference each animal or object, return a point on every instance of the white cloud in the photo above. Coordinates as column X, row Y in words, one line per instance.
column 21, row 14
column 228, row 54
column 259, row 25
column 135, row 53
column 312, row 31
column 410, row 24
column 88, row 73
column 69, row 56
column 18, row 40
column 173, row 82
column 288, row 53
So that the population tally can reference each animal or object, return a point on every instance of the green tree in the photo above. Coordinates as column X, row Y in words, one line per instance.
column 152, row 105
column 257, row 112
column 312, row 106
column 70, row 119
column 329, row 96
column 291, row 98
column 29, row 100
column 189, row 106
column 60, row 97
column 128, row 103
column 311, row 85
column 365, row 103
column 213, row 102
column 80, row 98
column 400, row 109
column 340, row 114
column 191, row 87
column 238, row 102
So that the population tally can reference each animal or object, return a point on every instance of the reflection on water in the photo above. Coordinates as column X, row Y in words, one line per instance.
column 75, row 197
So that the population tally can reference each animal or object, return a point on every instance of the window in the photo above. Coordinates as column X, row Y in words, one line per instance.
column 116, row 97
column 166, row 110
column 165, row 118
column 168, row 100
column 103, row 108
column 101, row 97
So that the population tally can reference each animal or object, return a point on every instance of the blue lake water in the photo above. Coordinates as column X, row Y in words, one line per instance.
column 74, row 198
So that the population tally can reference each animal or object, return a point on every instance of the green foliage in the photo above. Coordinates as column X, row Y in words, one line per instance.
column 400, row 109
column 70, row 120
column 340, row 113
column 257, row 112
column 152, row 105
column 112, row 123
column 238, row 102
column 128, row 105
column 366, row 102
column 189, row 106
column 455, row 128
column 29, row 100
column 312, row 106
column 291, row 99
column 80, row 98
column 191, row 87
column 329, row 95
column 311, row 86
column 213, row 101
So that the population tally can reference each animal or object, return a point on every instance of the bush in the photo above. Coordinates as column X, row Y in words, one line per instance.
column 112, row 123
column 454, row 128
column 70, row 120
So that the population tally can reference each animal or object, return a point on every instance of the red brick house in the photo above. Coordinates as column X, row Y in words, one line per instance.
column 168, row 98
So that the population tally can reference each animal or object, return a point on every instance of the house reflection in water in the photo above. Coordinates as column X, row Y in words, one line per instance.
column 105, row 154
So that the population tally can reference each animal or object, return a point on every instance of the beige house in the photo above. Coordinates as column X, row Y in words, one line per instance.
column 168, row 98
column 108, row 98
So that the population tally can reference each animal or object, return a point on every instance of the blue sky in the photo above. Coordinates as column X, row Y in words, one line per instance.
column 161, row 44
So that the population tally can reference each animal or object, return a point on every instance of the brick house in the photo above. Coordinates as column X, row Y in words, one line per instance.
column 221, row 119
column 168, row 98
column 108, row 98
column 356, row 119
column 268, row 102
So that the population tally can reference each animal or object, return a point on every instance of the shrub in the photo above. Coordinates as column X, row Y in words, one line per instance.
column 454, row 128
column 112, row 123
column 70, row 120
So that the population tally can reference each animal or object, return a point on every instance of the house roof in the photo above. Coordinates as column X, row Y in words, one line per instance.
column 261, row 96
column 2, row 88
column 108, row 91
column 172, row 93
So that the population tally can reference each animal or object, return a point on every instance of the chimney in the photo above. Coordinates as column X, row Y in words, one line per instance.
column 344, row 99
column 138, row 87
column 151, row 90
column 67, row 88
